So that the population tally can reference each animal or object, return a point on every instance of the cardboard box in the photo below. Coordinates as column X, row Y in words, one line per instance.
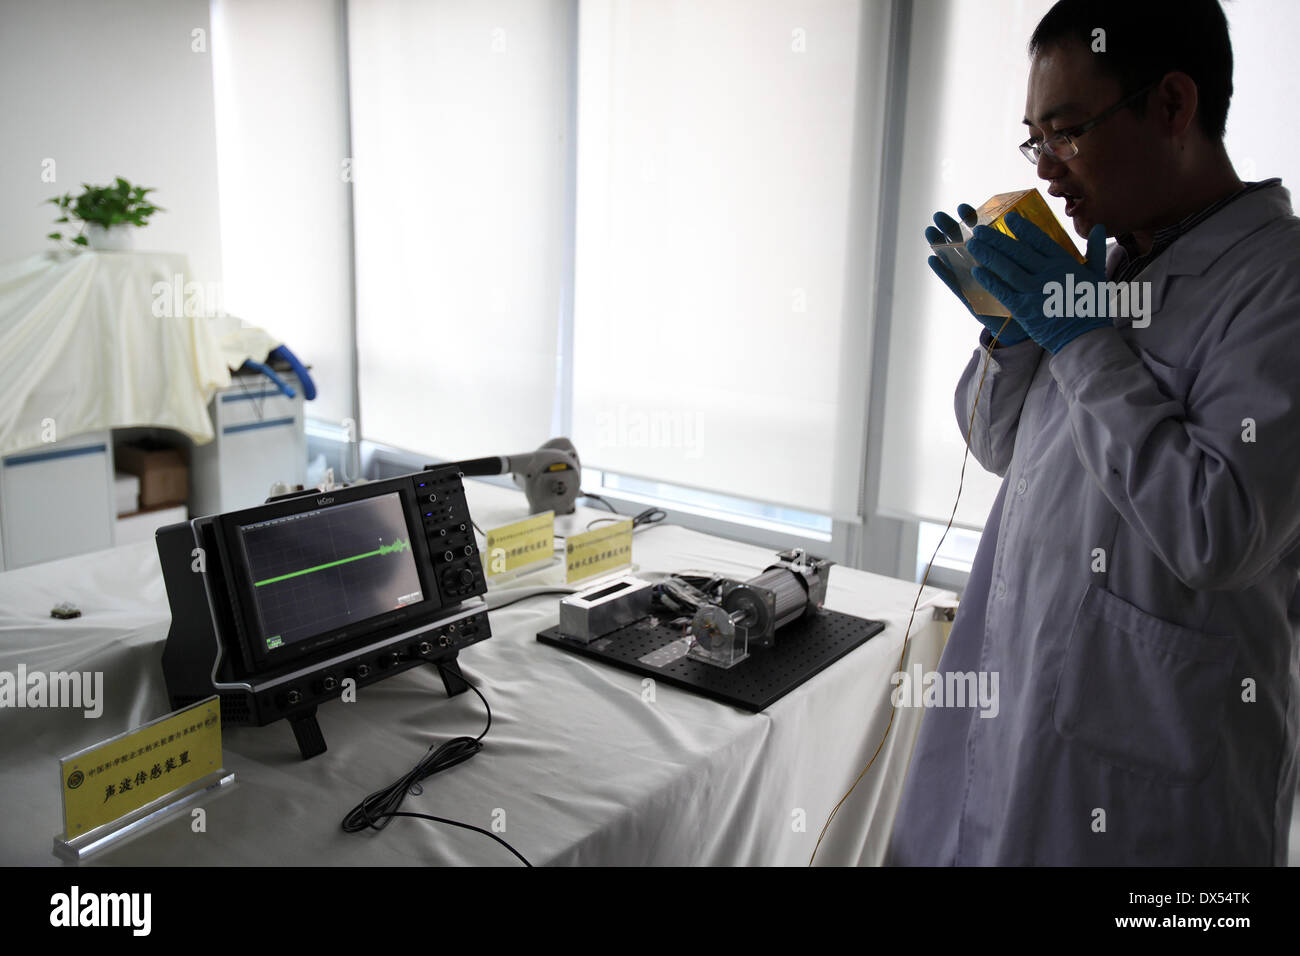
column 164, row 473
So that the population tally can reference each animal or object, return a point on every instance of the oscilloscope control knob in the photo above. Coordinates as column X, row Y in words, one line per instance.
column 457, row 580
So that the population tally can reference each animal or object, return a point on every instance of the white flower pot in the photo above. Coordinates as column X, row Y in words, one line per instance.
column 119, row 238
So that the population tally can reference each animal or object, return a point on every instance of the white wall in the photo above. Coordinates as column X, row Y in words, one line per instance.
column 108, row 88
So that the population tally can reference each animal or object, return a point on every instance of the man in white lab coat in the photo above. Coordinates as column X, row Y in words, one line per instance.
column 1135, row 587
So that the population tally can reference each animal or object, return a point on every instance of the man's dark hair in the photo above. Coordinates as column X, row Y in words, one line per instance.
column 1145, row 39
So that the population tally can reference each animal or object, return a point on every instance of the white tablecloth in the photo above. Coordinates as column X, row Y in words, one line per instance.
column 100, row 340
column 584, row 769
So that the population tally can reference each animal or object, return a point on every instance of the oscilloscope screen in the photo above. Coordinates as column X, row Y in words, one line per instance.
column 317, row 571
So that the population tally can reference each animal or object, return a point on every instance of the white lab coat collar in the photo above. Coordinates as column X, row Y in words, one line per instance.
column 1196, row 251
column 1207, row 242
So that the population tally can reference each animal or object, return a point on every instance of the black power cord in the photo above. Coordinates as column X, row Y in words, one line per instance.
column 583, row 494
column 378, row 809
column 647, row 517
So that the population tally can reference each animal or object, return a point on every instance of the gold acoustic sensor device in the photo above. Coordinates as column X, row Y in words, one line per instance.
column 1028, row 203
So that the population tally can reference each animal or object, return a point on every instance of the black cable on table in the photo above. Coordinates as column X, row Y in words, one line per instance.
column 647, row 517
column 377, row 810
column 583, row 494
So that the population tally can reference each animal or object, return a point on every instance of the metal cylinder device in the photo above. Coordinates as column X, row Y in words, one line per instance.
column 772, row 599
column 749, row 613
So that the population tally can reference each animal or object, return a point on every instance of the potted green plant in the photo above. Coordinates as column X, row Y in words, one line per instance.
column 107, row 214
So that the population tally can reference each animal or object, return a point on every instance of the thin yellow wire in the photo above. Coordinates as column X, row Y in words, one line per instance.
column 907, row 635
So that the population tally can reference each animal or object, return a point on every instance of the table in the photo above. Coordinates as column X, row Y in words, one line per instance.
column 582, row 766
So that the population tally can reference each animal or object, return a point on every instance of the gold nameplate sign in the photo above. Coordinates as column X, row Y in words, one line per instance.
column 520, row 544
column 598, row 551
column 124, row 780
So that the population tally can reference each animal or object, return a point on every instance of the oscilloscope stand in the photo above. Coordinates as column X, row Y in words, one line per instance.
column 307, row 732
column 306, row 728
column 453, row 681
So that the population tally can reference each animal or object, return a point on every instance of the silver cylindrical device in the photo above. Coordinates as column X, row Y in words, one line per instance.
column 769, row 601
column 791, row 597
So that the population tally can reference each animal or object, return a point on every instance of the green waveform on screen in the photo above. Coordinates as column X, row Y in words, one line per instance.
column 400, row 544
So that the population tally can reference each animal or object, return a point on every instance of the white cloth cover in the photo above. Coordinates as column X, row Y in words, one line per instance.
column 586, row 769
column 84, row 348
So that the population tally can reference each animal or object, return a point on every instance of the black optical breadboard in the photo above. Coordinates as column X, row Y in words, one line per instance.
column 650, row 647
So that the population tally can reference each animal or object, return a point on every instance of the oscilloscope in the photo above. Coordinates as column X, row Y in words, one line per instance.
column 275, row 607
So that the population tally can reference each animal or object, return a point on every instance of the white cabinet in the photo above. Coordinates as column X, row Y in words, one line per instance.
column 57, row 500
column 260, row 440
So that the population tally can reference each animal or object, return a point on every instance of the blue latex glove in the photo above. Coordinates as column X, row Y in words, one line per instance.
column 948, row 231
column 1017, row 273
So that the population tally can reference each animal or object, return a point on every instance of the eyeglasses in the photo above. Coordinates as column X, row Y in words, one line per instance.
column 1061, row 144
